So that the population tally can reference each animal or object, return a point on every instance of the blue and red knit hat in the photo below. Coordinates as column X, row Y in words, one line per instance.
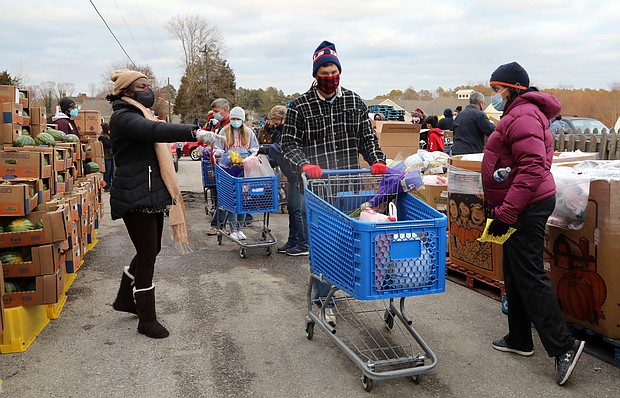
column 324, row 53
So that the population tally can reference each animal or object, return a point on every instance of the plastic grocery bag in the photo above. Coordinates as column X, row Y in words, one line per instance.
column 257, row 166
column 571, row 198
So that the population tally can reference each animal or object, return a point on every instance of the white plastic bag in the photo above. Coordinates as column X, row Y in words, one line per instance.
column 257, row 166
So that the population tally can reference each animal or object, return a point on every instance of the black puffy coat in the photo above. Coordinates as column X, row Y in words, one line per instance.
column 137, row 178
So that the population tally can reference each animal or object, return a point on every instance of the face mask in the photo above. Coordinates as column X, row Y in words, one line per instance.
column 498, row 102
column 236, row 123
column 73, row 112
column 146, row 97
column 218, row 116
column 328, row 84
column 415, row 120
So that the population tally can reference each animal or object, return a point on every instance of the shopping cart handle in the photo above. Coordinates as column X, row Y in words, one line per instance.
column 348, row 171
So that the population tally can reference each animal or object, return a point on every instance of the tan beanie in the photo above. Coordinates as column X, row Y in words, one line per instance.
column 122, row 78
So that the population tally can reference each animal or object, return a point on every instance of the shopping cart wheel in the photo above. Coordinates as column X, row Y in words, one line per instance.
column 242, row 252
column 309, row 330
column 367, row 383
column 268, row 251
column 416, row 379
column 388, row 318
column 419, row 362
column 219, row 238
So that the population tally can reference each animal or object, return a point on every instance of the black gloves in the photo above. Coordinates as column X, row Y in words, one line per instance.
column 498, row 228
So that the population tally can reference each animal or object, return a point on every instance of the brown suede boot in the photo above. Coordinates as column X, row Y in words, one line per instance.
column 124, row 299
column 147, row 324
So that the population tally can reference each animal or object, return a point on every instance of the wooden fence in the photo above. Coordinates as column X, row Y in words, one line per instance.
column 606, row 143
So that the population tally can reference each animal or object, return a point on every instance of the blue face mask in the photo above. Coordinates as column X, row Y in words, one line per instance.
column 236, row 123
column 218, row 116
column 498, row 102
column 73, row 112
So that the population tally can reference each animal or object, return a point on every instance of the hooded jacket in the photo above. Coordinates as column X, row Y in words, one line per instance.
column 65, row 123
column 523, row 142
column 137, row 178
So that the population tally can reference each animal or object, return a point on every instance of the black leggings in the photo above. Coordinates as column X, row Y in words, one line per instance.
column 145, row 231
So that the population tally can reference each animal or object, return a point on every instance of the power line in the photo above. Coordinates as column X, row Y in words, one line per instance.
column 130, row 32
column 147, row 30
column 113, row 35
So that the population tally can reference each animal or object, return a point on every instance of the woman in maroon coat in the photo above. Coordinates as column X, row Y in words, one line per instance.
column 525, row 200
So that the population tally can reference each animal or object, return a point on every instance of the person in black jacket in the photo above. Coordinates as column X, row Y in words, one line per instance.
column 446, row 122
column 143, row 190
column 471, row 126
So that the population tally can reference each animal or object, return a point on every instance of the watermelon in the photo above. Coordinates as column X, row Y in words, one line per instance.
column 39, row 224
column 10, row 286
column 72, row 138
column 44, row 139
column 11, row 257
column 60, row 178
column 24, row 140
column 91, row 167
column 25, row 132
column 59, row 136
column 1, row 228
column 20, row 225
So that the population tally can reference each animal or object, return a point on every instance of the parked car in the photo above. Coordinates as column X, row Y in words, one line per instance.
column 578, row 125
column 190, row 148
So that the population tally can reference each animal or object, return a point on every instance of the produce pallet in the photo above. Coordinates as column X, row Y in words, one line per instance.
column 598, row 345
column 482, row 284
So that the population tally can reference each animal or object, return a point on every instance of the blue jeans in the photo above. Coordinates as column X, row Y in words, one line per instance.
column 109, row 172
column 297, row 228
column 236, row 221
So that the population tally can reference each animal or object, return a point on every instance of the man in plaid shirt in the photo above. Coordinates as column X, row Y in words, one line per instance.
column 327, row 128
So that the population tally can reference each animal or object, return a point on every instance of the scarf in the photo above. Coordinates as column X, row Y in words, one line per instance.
column 166, row 167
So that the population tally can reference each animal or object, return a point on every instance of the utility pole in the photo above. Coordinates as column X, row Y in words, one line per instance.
column 169, row 102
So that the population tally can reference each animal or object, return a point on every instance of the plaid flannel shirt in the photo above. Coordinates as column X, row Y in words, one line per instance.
column 330, row 135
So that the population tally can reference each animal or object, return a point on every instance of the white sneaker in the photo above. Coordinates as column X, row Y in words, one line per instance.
column 330, row 317
column 241, row 235
column 234, row 235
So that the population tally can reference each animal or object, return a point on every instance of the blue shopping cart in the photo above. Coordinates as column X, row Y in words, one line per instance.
column 370, row 262
column 243, row 195
column 208, row 181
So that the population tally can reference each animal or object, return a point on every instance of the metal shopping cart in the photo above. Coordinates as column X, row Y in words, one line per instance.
column 242, row 195
column 208, row 181
column 369, row 265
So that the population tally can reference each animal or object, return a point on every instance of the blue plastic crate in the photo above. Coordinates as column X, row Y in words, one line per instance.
column 246, row 194
column 378, row 260
column 208, row 173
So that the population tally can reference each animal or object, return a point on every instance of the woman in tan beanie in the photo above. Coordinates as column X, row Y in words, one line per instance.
column 145, row 188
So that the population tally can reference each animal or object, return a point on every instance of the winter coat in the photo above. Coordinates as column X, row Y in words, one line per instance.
column 446, row 123
column 65, row 124
column 137, row 178
column 523, row 142
column 470, row 127
column 435, row 140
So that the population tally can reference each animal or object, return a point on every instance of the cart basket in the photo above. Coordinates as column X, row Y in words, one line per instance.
column 246, row 194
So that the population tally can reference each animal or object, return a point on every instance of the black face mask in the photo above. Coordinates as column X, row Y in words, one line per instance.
column 146, row 97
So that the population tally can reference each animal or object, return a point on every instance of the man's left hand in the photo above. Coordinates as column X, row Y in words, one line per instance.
column 378, row 168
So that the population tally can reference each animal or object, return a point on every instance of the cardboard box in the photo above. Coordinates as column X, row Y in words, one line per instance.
column 9, row 94
column 466, row 221
column 88, row 122
column 61, row 160
column 435, row 196
column 1, row 304
column 25, row 162
column 73, row 259
column 12, row 113
column 399, row 134
column 24, row 97
column 36, row 129
column 37, row 116
column 74, row 149
column 570, row 157
column 46, row 260
column 18, row 198
column 10, row 132
column 45, row 189
column 54, row 229
column 48, row 290
column 583, row 264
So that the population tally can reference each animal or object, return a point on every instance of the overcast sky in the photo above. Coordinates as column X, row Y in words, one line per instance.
column 382, row 45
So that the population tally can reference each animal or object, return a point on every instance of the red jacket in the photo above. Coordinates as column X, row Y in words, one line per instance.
column 435, row 140
column 521, row 141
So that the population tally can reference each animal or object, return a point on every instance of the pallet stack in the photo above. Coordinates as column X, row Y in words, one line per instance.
column 388, row 111
column 49, row 214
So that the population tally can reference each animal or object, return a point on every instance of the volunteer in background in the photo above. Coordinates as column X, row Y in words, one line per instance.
column 525, row 200
column 237, row 135
column 65, row 118
column 221, row 114
column 145, row 188
column 312, row 145
column 108, row 156
column 471, row 127
column 446, row 122
column 435, row 135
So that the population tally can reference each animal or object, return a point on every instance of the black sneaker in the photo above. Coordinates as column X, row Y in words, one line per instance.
column 566, row 362
column 297, row 251
column 501, row 345
column 283, row 249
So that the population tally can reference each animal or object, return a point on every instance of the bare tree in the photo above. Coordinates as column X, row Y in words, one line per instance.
column 106, row 83
column 65, row 89
column 92, row 90
column 194, row 33
column 48, row 94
